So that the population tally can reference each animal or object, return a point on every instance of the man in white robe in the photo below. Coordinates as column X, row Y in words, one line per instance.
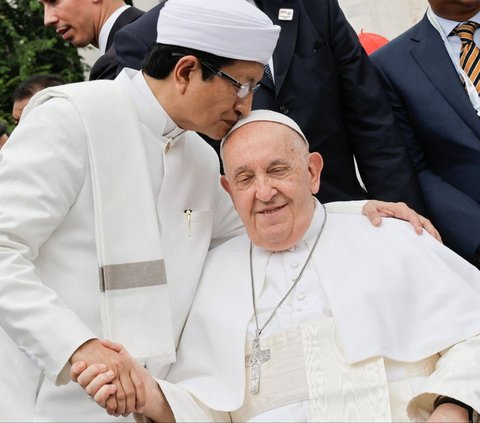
column 352, row 323
column 110, row 178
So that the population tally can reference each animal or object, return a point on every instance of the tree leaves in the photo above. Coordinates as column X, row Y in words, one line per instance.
column 28, row 48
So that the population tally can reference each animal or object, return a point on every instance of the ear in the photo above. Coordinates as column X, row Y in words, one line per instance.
column 182, row 72
column 225, row 184
column 315, row 166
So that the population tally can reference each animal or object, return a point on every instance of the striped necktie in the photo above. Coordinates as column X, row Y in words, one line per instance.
column 469, row 53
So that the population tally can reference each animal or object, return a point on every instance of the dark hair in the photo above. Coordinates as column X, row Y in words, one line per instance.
column 32, row 85
column 3, row 129
column 159, row 62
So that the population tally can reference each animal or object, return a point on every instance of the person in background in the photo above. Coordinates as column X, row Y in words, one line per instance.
column 430, row 74
column 28, row 88
column 321, row 77
column 95, row 22
column 309, row 316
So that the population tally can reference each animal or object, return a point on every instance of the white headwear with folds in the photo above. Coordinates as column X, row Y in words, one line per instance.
column 234, row 29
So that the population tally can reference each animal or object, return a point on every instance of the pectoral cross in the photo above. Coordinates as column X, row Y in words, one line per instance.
column 255, row 360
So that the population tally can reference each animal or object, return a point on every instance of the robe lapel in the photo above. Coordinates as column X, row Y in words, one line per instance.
column 282, row 57
column 431, row 56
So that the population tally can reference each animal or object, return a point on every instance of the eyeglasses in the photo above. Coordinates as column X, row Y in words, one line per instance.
column 242, row 89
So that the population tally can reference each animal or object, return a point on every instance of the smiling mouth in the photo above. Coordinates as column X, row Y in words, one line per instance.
column 271, row 210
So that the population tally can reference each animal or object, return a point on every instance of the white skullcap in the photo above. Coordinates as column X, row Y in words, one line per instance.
column 265, row 116
column 227, row 28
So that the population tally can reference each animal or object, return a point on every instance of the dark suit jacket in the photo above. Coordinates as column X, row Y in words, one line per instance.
column 441, row 129
column 324, row 81
column 106, row 66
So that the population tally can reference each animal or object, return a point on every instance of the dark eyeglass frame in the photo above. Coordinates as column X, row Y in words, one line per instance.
column 243, row 90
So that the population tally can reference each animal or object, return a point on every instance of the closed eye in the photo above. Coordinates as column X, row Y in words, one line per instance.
column 279, row 171
column 244, row 181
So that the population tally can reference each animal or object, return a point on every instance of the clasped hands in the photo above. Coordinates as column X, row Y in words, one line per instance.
column 123, row 389
column 120, row 385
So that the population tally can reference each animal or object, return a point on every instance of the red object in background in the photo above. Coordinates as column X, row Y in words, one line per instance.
column 370, row 41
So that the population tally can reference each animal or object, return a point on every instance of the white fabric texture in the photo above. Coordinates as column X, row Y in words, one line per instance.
column 224, row 28
column 390, row 292
column 119, row 198
column 49, row 292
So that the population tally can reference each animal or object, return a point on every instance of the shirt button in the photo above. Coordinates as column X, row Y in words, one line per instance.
column 327, row 312
column 292, row 249
column 293, row 265
column 284, row 109
column 301, row 297
column 166, row 149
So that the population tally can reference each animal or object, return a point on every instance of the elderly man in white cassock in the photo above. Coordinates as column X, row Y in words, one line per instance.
column 316, row 316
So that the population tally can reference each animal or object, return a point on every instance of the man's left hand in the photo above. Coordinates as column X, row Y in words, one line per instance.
column 375, row 210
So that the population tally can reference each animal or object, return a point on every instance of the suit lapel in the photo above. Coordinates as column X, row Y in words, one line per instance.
column 430, row 54
column 127, row 16
column 282, row 57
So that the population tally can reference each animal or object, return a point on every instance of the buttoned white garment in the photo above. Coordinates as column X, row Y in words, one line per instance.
column 388, row 290
column 48, row 260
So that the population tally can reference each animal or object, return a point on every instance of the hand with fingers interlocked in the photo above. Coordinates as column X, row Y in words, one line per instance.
column 123, row 372
column 142, row 394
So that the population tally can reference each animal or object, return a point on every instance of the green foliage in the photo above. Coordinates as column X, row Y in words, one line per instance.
column 28, row 48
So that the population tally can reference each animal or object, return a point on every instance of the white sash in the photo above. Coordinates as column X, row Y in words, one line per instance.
column 133, row 283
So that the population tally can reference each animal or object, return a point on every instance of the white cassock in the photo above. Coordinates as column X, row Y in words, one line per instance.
column 49, row 285
column 381, row 322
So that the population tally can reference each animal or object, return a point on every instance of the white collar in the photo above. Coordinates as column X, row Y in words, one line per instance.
column 442, row 26
column 107, row 27
column 150, row 111
column 447, row 25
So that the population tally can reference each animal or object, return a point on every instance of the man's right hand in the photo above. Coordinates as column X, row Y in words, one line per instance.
column 99, row 383
column 125, row 374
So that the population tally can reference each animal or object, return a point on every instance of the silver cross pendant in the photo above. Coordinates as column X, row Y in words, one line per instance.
column 255, row 360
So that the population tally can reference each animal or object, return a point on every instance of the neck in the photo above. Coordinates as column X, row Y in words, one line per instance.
column 453, row 15
column 105, row 13
column 163, row 90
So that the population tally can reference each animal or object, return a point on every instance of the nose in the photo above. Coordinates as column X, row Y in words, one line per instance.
column 243, row 106
column 265, row 190
column 49, row 16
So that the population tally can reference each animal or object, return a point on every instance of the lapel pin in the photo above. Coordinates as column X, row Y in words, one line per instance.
column 285, row 14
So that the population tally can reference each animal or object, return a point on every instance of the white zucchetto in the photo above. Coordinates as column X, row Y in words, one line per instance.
column 266, row 116
column 234, row 29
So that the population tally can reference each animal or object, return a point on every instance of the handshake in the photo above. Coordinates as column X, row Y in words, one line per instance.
column 117, row 382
